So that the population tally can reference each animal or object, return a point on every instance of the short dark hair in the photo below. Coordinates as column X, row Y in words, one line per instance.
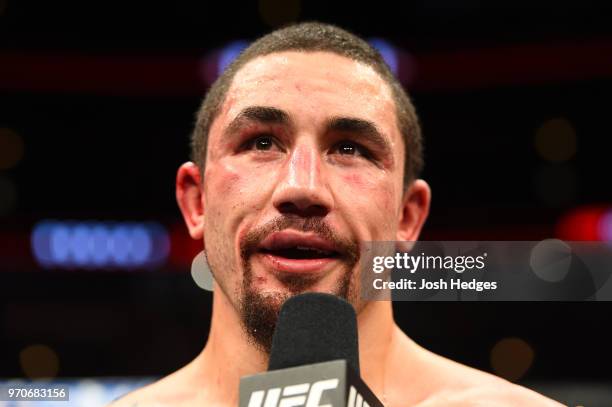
column 312, row 37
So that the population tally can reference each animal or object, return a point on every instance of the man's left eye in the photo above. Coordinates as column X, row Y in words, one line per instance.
column 262, row 142
column 350, row 148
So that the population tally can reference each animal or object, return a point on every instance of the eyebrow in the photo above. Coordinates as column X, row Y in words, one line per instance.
column 360, row 128
column 258, row 114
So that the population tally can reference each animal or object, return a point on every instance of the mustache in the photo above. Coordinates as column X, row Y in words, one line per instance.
column 347, row 248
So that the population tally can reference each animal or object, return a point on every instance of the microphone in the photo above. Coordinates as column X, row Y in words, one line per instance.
column 314, row 361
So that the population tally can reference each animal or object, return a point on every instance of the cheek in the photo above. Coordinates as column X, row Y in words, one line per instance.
column 372, row 200
column 230, row 183
column 354, row 180
column 224, row 200
column 232, row 188
column 369, row 190
column 224, row 178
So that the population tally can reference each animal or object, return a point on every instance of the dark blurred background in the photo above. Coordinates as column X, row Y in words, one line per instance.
column 97, row 101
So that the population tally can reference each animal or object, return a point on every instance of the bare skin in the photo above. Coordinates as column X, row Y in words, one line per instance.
column 303, row 166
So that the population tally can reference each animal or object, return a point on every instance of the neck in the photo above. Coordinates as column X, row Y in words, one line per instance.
column 229, row 355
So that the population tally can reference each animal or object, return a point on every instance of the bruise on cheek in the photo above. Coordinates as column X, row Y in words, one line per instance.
column 354, row 179
column 222, row 179
column 364, row 181
column 229, row 180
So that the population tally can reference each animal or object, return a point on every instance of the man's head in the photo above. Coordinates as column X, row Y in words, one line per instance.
column 305, row 147
column 313, row 37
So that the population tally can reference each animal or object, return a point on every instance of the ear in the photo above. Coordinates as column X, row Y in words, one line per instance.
column 414, row 211
column 189, row 191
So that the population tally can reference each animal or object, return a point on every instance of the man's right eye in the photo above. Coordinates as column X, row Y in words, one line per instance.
column 262, row 143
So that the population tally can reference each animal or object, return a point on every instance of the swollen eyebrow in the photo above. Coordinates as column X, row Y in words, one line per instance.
column 258, row 114
column 361, row 129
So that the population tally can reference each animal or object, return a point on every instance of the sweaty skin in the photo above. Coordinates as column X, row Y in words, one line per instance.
column 300, row 166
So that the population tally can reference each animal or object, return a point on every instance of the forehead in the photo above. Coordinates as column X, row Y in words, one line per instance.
column 316, row 84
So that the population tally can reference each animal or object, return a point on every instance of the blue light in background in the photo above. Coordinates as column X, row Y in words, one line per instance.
column 119, row 244
column 141, row 244
column 59, row 237
column 388, row 52
column 160, row 242
column 99, row 245
column 229, row 53
column 100, row 250
column 78, row 245
column 41, row 246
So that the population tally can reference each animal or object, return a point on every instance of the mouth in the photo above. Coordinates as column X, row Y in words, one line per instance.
column 294, row 252
column 300, row 253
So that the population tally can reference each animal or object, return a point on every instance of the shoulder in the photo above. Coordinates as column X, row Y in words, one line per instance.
column 500, row 395
column 153, row 395
column 168, row 391
column 443, row 382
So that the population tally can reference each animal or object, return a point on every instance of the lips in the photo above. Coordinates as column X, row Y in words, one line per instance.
column 294, row 252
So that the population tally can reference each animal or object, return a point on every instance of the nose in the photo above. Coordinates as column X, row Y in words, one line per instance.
column 302, row 189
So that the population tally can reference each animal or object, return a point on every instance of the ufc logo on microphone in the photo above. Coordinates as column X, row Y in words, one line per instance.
column 355, row 399
column 293, row 396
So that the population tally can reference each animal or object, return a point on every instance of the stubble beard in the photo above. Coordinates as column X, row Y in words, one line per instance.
column 259, row 310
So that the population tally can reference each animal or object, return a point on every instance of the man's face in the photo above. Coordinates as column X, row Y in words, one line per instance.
column 304, row 161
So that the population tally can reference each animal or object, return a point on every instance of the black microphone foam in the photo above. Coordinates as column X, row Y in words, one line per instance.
column 315, row 328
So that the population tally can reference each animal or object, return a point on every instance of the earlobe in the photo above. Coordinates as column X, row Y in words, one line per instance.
column 189, row 190
column 414, row 211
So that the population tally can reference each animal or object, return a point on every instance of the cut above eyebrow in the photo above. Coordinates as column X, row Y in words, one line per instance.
column 260, row 114
column 362, row 129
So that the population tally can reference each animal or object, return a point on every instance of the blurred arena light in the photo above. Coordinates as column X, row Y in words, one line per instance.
column 605, row 226
column 11, row 148
column 39, row 361
column 389, row 53
column 555, row 140
column 587, row 223
column 99, row 245
column 229, row 53
column 511, row 358
column 213, row 65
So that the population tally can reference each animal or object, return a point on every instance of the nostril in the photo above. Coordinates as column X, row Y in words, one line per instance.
column 306, row 211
